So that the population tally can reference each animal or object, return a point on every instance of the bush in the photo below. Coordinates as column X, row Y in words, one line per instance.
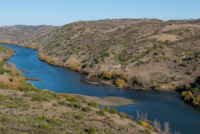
column 115, row 75
column 55, row 104
column 4, row 118
column 122, row 115
column 1, row 85
column 45, row 96
column 91, row 130
column 85, row 65
column 85, row 60
column 106, row 54
column 80, row 116
column 119, row 82
column 124, row 76
column 41, row 117
column 78, row 105
column 106, row 108
column 140, row 122
column 1, row 97
column 27, row 95
column 87, row 109
column 113, row 110
column 157, row 87
column 45, row 126
column 25, row 88
column 63, row 103
column 51, row 120
column 72, row 104
column 105, row 75
column 93, row 104
column 1, row 71
column 161, row 46
column 101, row 112
column 72, row 99
column 156, row 53
column 148, row 131
column 85, row 101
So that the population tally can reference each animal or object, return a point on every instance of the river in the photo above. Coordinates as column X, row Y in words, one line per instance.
column 164, row 106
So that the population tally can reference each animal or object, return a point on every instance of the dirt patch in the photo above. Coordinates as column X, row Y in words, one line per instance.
column 164, row 37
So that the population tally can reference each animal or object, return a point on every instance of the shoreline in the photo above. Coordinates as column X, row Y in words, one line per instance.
column 87, row 73
column 101, row 82
column 113, row 101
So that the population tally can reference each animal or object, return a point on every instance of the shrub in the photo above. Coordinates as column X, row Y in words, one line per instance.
column 105, row 75
column 101, row 112
column 140, row 122
column 51, row 120
column 25, row 88
column 115, row 75
column 161, row 46
column 45, row 96
column 85, row 65
column 157, row 87
column 72, row 104
column 106, row 54
column 41, row 117
column 187, row 95
column 142, row 79
column 156, row 53
column 196, row 101
column 84, row 101
column 122, row 115
column 119, row 82
column 63, row 103
column 78, row 105
column 148, row 131
column 124, row 76
column 4, row 118
column 106, row 108
column 45, row 126
column 87, row 109
column 55, row 104
column 1, row 97
column 1, row 71
column 80, row 116
column 1, row 85
column 72, row 99
column 85, row 60
column 91, row 130
column 93, row 104
column 27, row 95
column 113, row 110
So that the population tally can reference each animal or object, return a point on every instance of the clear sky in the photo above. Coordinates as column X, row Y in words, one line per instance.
column 60, row 12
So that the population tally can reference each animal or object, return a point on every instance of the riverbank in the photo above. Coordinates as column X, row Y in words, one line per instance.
column 160, row 105
column 126, row 82
column 25, row 108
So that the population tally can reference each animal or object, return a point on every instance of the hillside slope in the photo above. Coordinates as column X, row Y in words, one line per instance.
column 167, row 51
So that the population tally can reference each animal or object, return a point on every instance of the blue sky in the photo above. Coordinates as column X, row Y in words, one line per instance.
column 60, row 12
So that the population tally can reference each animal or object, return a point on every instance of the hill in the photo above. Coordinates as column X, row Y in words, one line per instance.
column 167, row 51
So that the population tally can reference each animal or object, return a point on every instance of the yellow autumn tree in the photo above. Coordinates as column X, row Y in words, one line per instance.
column 196, row 101
column 119, row 82
column 187, row 95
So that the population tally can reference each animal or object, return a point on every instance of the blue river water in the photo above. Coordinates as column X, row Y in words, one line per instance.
column 164, row 106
